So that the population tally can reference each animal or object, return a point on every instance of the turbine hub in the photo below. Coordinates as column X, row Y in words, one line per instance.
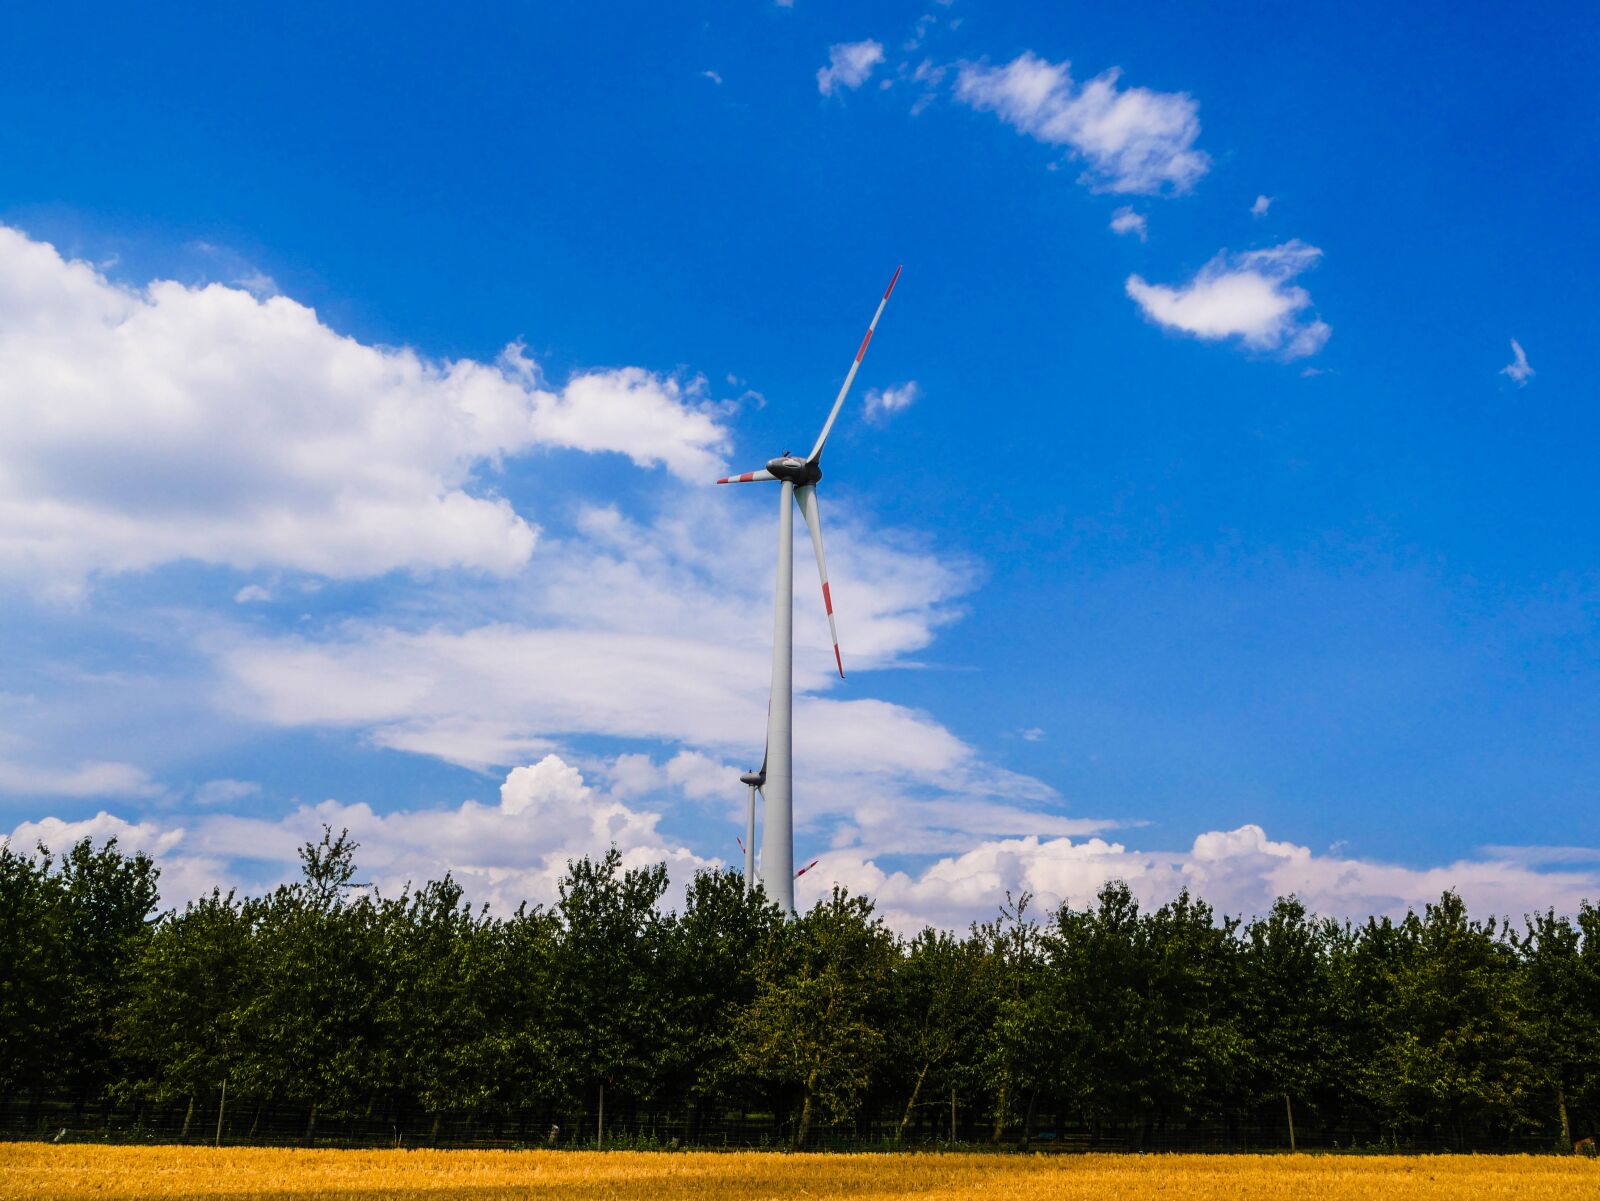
column 795, row 470
column 754, row 778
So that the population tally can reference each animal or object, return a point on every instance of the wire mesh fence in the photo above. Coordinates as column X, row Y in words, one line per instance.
column 246, row 1121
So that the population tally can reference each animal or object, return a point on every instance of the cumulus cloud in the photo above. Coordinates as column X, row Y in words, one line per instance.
column 1126, row 221
column 1133, row 139
column 1517, row 368
column 1261, row 205
column 849, row 65
column 1248, row 296
column 1238, row 871
column 548, row 813
column 502, row 853
column 145, row 426
column 884, row 403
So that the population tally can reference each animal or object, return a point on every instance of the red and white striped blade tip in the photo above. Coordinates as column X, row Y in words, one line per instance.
column 747, row 477
column 893, row 281
column 838, row 660
column 806, row 868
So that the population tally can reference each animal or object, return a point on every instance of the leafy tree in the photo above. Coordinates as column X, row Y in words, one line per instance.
column 179, row 1026
column 941, row 1009
column 1456, row 1034
column 607, row 1006
column 815, row 1023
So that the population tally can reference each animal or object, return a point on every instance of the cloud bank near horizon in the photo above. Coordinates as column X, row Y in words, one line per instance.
column 550, row 812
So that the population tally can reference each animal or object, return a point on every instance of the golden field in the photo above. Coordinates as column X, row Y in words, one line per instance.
column 40, row 1171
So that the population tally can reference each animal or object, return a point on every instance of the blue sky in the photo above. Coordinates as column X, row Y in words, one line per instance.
column 1214, row 546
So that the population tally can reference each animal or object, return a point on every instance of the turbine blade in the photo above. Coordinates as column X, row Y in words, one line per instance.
column 748, row 477
column 850, row 378
column 806, row 868
column 807, row 496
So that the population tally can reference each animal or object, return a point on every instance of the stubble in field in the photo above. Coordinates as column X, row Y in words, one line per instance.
column 42, row 1172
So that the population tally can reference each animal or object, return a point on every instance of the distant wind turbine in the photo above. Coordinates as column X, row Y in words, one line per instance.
column 798, row 480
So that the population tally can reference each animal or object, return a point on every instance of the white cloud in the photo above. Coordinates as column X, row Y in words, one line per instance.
column 651, row 633
column 1517, row 368
column 1126, row 221
column 1237, row 871
column 84, row 780
column 849, row 65
column 167, row 423
column 884, row 403
column 1247, row 296
column 1134, row 140
column 501, row 853
column 548, row 813
column 1261, row 205
column 1031, row 734
column 712, row 76
column 251, row 594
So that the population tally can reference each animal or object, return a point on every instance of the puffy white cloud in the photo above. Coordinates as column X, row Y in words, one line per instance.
column 1517, row 368
column 1238, row 871
column 884, row 403
column 1126, row 221
column 548, row 813
column 1247, row 296
column 501, row 853
column 1261, row 205
column 1134, row 140
column 165, row 423
column 83, row 780
column 849, row 65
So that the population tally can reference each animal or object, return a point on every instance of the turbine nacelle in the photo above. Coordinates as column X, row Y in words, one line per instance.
column 754, row 778
column 795, row 470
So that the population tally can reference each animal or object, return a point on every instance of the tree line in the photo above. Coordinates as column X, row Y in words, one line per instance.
column 1112, row 1024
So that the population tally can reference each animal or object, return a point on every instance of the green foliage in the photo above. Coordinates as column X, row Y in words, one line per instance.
column 330, row 998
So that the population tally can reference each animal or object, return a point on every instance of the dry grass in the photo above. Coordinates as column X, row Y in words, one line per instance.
column 41, row 1172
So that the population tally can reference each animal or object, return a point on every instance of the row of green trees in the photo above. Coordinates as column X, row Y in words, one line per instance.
column 326, row 996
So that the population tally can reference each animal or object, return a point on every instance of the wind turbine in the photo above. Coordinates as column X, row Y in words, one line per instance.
column 797, row 479
column 755, row 779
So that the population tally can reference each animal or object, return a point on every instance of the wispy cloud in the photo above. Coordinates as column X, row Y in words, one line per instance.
column 849, row 65
column 1260, row 207
column 1249, row 296
column 82, row 780
column 1518, row 368
column 712, row 76
column 884, row 403
column 1134, row 139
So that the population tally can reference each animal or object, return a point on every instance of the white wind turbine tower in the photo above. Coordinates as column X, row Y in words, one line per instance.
column 797, row 479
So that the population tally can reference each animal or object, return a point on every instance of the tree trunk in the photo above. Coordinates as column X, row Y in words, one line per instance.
column 1288, row 1111
column 188, row 1116
column 1561, row 1108
column 952, row 1117
column 433, row 1135
column 1027, row 1121
column 905, row 1119
column 311, row 1124
column 804, row 1132
column 999, row 1113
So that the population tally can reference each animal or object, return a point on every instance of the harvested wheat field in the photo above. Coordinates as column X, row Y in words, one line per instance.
column 39, row 1172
